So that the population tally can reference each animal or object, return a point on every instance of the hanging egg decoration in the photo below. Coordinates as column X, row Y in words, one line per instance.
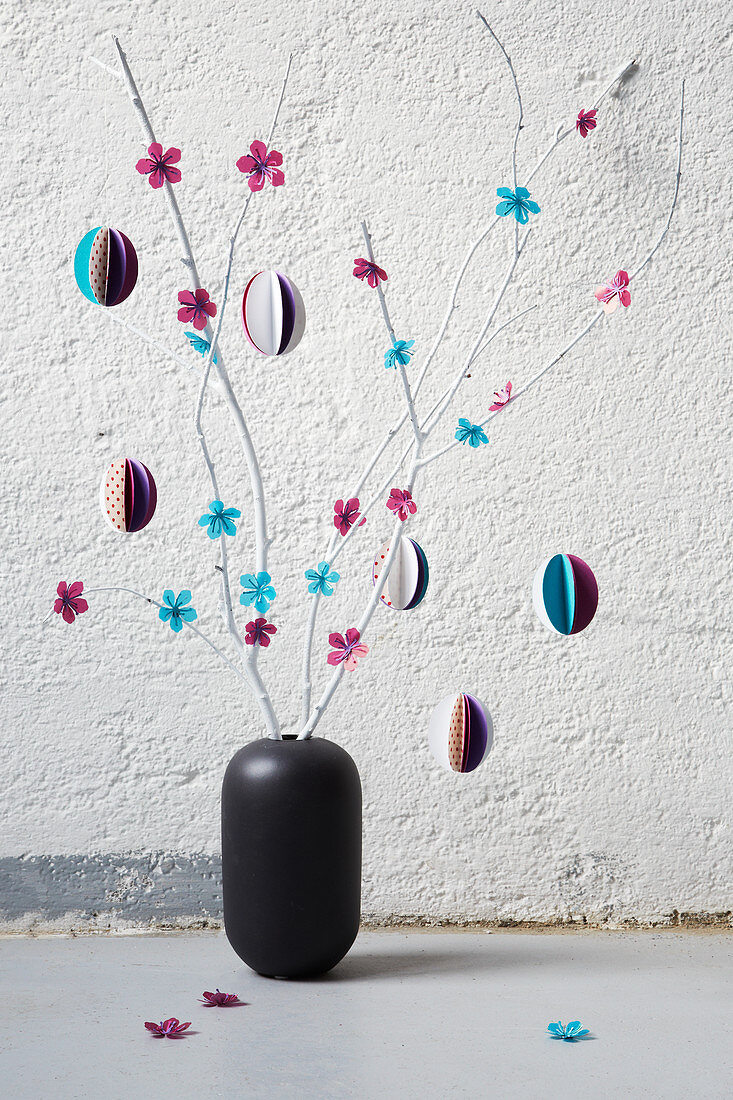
column 105, row 266
column 565, row 594
column 460, row 733
column 128, row 495
column 273, row 314
column 408, row 578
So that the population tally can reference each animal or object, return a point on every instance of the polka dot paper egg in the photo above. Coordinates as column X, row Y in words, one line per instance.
column 460, row 733
column 565, row 594
column 105, row 266
column 408, row 578
column 273, row 313
column 128, row 495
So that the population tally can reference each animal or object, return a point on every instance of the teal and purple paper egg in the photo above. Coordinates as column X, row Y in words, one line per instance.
column 408, row 577
column 565, row 594
column 105, row 266
column 460, row 732
column 128, row 495
column 273, row 314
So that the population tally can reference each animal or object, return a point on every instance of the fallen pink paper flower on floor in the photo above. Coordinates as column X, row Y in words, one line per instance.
column 196, row 309
column 70, row 603
column 167, row 1029
column 401, row 503
column 503, row 397
column 347, row 649
column 258, row 165
column 160, row 167
column 367, row 269
column 610, row 294
column 221, row 1000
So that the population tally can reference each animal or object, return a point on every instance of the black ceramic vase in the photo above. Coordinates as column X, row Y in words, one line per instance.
column 291, row 855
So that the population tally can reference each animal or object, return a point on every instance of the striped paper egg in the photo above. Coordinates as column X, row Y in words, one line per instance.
column 273, row 313
column 565, row 594
column 128, row 495
column 408, row 578
column 460, row 733
column 105, row 266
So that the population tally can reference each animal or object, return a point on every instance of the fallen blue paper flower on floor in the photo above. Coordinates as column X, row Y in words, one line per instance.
column 569, row 1032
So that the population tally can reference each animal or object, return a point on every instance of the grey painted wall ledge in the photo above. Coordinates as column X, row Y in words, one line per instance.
column 89, row 893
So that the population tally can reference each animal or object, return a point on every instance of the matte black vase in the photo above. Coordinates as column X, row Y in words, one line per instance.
column 291, row 855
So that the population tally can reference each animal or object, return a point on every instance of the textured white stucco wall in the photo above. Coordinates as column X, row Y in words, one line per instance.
column 607, row 794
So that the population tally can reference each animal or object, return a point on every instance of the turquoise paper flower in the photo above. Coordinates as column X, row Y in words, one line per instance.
column 176, row 613
column 322, row 579
column 569, row 1032
column 473, row 434
column 199, row 344
column 257, row 590
column 219, row 520
column 399, row 353
column 517, row 203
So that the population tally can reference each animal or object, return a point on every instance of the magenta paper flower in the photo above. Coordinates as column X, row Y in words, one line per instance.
column 258, row 632
column 196, row 309
column 70, row 602
column 401, row 502
column 610, row 294
column 160, row 168
column 347, row 649
column 221, row 1000
column 585, row 122
column 167, row 1029
column 258, row 165
column 346, row 515
column 503, row 397
column 366, row 269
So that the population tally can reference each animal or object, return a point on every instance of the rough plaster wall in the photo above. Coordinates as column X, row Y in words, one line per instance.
column 608, row 790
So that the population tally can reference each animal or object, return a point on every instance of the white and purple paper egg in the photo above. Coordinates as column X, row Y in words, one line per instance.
column 128, row 495
column 460, row 732
column 273, row 314
column 565, row 594
column 408, row 578
column 105, row 266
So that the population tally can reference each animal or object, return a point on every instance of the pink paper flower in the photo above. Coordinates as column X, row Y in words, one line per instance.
column 221, row 1000
column 401, row 502
column 160, row 168
column 197, row 307
column 503, row 397
column 258, row 165
column 167, row 1029
column 585, row 122
column 70, row 602
column 346, row 515
column 610, row 294
column 365, row 269
column 258, row 632
column 347, row 649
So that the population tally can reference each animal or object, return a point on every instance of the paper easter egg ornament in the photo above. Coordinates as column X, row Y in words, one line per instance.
column 460, row 733
column 408, row 578
column 128, row 495
column 565, row 594
column 273, row 314
column 105, row 266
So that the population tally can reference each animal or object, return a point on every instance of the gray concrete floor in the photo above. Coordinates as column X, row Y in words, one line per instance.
column 415, row 1015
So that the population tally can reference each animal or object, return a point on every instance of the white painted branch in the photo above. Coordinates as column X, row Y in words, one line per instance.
column 520, row 117
column 188, row 364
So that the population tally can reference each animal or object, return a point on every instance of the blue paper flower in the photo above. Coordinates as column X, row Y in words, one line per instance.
column 219, row 520
column 322, row 579
column 473, row 434
column 176, row 613
column 517, row 203
column 257, row 591
column 199, row 344
column 399, row 353
column 569, row 1032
